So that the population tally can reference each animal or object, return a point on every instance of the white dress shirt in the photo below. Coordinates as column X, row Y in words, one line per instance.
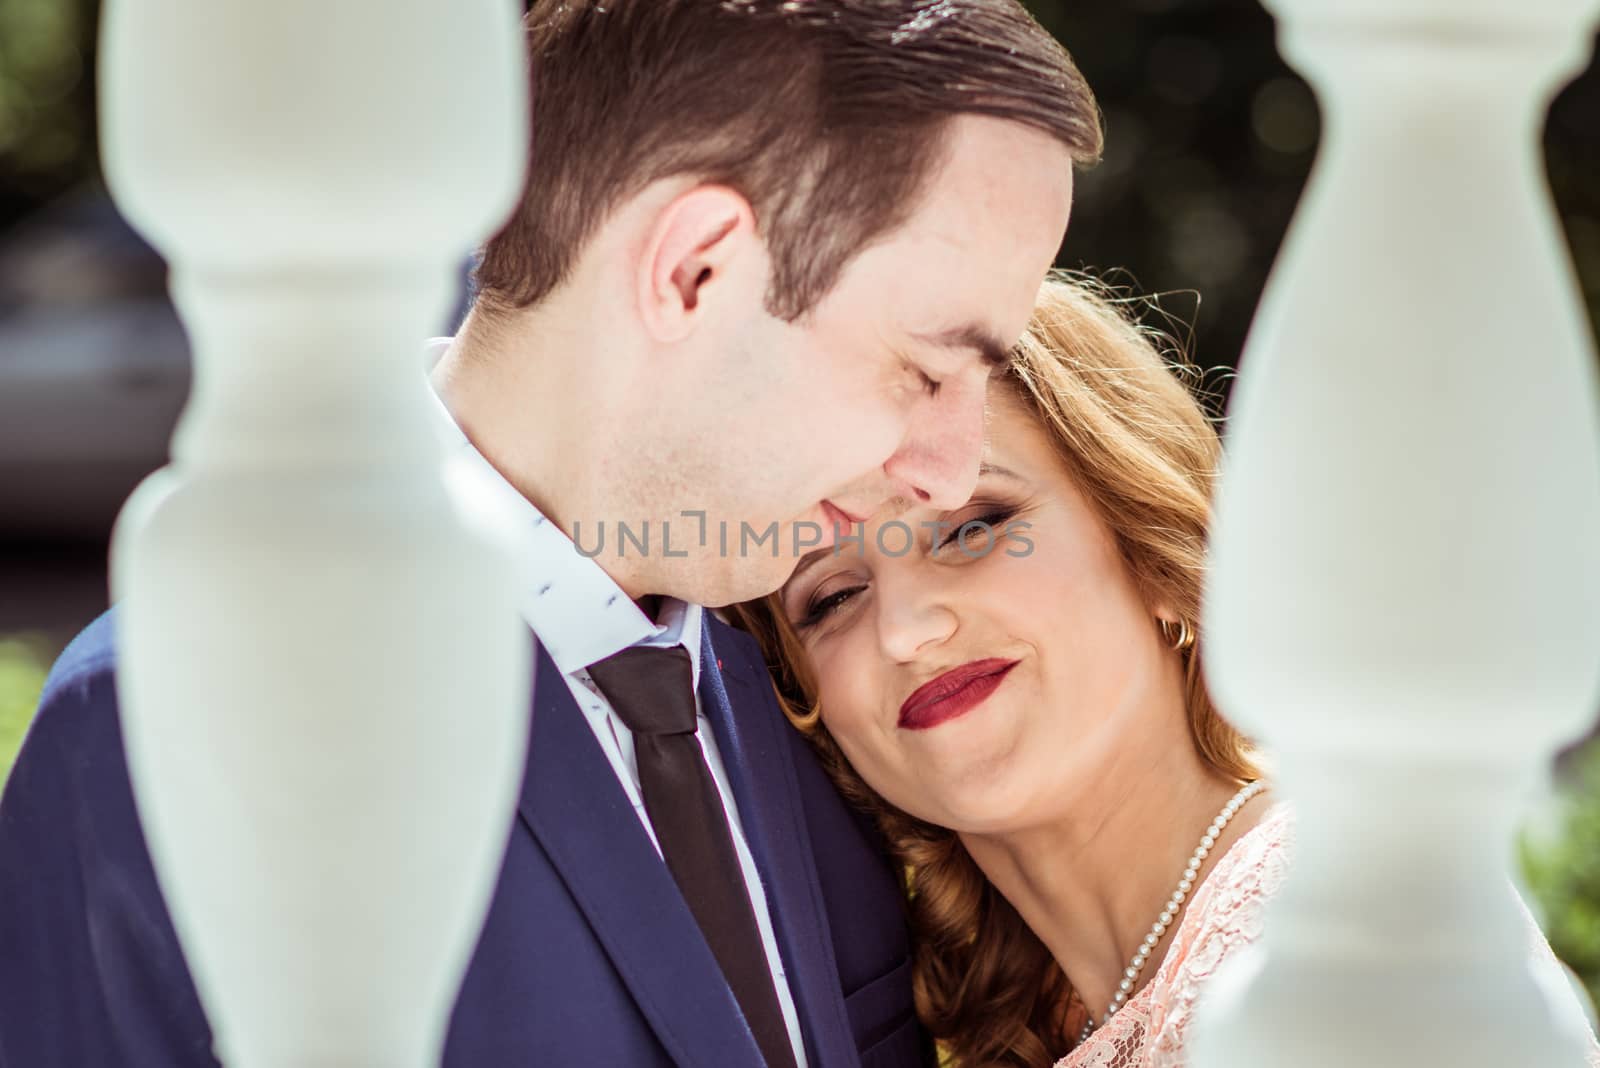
column 581, row 616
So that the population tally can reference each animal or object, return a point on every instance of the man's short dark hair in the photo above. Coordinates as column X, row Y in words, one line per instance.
column 827, row 115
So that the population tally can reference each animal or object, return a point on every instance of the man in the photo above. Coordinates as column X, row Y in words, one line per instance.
column 768, row 256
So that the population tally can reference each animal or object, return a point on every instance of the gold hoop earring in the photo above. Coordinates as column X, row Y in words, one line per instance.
column 1185, row 639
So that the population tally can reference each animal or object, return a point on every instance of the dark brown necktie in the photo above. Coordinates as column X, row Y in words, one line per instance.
column 652, row 690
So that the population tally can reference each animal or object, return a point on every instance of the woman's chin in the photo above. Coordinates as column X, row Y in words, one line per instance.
column 980, row 793
column 989, row 815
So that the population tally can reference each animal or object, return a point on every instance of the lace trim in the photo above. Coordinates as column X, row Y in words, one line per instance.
column 1208, row 929
column 1224, row 914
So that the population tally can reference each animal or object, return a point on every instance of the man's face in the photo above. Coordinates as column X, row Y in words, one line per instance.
column 837, row 417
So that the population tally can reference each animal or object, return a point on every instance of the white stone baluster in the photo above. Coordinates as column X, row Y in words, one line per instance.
column 323, row 677
column 1405, row 601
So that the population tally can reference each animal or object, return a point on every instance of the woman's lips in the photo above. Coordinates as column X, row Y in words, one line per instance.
column 954, row 693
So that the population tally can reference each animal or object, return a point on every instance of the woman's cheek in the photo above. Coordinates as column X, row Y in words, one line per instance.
column 843, row 710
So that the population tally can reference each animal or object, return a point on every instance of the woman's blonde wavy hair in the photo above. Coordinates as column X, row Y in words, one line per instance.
column 1136, row 441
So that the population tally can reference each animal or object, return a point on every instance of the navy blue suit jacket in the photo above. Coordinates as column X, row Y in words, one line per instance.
column 588, row 956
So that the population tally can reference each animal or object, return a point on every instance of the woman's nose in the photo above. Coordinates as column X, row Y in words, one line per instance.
column 911, row 618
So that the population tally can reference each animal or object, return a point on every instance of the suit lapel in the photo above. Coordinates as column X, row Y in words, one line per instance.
column 574, row 806
column 736, row 695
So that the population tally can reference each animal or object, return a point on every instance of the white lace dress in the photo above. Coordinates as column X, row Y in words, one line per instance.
column 1223, row 915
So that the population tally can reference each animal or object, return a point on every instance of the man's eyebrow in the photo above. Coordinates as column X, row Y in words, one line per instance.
column 972, row 338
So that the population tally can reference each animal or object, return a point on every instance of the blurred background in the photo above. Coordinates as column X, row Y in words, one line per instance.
column 1210, row 138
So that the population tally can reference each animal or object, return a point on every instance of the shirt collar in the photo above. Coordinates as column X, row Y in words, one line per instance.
column 576, row 609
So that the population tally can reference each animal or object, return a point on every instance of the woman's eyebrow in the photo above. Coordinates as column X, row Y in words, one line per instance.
column 810, row 559
column 987, row 468
column 805, row 564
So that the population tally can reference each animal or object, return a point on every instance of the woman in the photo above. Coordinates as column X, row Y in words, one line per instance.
column 1013, row 690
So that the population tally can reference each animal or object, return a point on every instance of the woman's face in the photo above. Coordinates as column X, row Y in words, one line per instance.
column 979, row 683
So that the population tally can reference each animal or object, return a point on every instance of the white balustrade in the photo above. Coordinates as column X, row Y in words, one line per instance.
column 323, row 676
column 1405, row 602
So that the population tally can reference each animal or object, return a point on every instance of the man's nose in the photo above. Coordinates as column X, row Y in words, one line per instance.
column 937, row 463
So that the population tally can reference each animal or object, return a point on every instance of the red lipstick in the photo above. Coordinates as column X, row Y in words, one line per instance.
column 954, row 693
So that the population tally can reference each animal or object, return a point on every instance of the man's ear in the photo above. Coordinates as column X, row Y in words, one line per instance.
column 695, row 240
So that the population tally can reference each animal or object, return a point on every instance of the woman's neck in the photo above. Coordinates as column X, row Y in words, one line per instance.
column 1092, row 883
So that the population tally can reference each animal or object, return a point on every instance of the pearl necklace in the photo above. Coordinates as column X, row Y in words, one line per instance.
column 1130, row 976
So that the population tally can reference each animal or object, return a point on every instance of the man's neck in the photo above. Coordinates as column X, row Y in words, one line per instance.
column 499, row 394
column 521, row 416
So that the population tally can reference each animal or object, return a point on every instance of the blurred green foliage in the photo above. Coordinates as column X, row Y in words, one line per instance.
column 47, row 123
column 1563, row 871
column 24, row 661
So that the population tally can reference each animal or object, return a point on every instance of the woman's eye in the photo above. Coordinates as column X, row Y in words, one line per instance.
column 820, row 609
column 929, row 384
column 987, row 525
